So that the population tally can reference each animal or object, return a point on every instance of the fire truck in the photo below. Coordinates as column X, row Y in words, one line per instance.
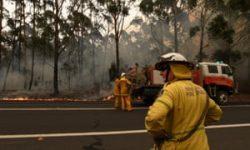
column 215, row 77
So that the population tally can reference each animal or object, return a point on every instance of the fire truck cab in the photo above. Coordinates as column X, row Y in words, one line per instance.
column 216, row 78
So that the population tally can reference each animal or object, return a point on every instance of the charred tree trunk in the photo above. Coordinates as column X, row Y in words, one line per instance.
column 56, row 48
column 202, row 26
column 23, row 30
column 9, row 64
column 175, row 28
column 1, row 27
column 33, row 46
column 117, row 48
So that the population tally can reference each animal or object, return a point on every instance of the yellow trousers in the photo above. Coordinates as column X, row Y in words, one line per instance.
column 117, row 101
column 126, row 103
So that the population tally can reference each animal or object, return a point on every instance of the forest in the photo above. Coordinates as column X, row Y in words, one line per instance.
column 69, row 45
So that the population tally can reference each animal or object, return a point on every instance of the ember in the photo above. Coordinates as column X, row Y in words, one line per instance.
column 108, row 98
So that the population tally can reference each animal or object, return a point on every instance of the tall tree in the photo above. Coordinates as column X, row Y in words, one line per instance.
column 204, row 9
column 35, row 5
column 56, row 44
column 118, row 10
column 1, row 28
column 79, row 25
column 220, row 29
column 167, row 10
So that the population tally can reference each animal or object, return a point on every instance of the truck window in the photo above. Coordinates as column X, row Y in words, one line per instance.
column 226, row 70
column 212, row 69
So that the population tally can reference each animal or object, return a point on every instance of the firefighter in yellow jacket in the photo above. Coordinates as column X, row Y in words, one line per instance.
column 125, row 94
column 177, row 118
column 116, row 92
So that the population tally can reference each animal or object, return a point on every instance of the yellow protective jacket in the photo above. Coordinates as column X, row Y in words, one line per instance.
column 177, row 110
column 116, row 91
column 124, row 86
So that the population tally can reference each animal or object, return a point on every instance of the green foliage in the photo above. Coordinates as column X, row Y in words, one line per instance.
column 218, row 28
column 193, row 31
column 118, row 7
column 159, row 8
column 227, row 55
column 79, row 20
column 241, row 5
column 146, row 7
column 192, row 4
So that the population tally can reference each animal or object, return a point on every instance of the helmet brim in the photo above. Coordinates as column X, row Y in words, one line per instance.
column 161, row 66
column 164, row 65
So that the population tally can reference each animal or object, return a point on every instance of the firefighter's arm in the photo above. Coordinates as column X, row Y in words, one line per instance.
column 128, row 82
column 214, row 112
column 155, row 119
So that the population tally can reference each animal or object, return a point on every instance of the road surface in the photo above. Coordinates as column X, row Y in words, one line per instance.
column 97, row 126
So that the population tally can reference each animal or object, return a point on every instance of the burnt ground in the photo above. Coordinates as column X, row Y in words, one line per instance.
column 239, row 98
column 92, row 95
column 62, row 96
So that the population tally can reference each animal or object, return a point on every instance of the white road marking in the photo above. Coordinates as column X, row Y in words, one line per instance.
column 236, row 106
column 228, row 126
column 66, row 109
column 53, row 135
column 90, row 109
column 34, row 109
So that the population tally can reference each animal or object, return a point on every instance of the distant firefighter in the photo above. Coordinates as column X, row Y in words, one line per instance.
column 116, row 92
column 125, row 94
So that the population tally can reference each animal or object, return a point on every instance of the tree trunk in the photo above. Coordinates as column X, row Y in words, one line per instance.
column 117, row 55
column 32, row 68
column 24, row 44
column 248, row 69
column 1, row 27
column 9, row 65
column 93, row 62
column 117, row 47
column 202, row 26
column 33, row 46
column 56, row 48
column 175, row 28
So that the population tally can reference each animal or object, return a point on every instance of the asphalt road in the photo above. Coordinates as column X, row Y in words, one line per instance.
column 97, row 126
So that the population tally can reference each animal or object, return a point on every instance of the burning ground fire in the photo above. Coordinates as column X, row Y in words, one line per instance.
column 108, row 98
column 39, row 99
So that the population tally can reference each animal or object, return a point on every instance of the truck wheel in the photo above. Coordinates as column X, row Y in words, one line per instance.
column 222, row 97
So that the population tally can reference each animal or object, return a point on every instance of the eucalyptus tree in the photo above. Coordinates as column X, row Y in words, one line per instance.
column 118, row 10
column 79, row 24
column 59, row 43
column 166, row 10
column 53, row 32
column 17, row 40
column 96, row 38
column 34, row 37
column 1, row 28
column 240, row 10
column 140, row 46
column 20, row 17
column 222, row 28
column 219, row 29
column 3, row 38
column 45, row 32
column 203, row 11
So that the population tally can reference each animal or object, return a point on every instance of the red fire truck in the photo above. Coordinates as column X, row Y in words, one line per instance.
column 216, row 78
